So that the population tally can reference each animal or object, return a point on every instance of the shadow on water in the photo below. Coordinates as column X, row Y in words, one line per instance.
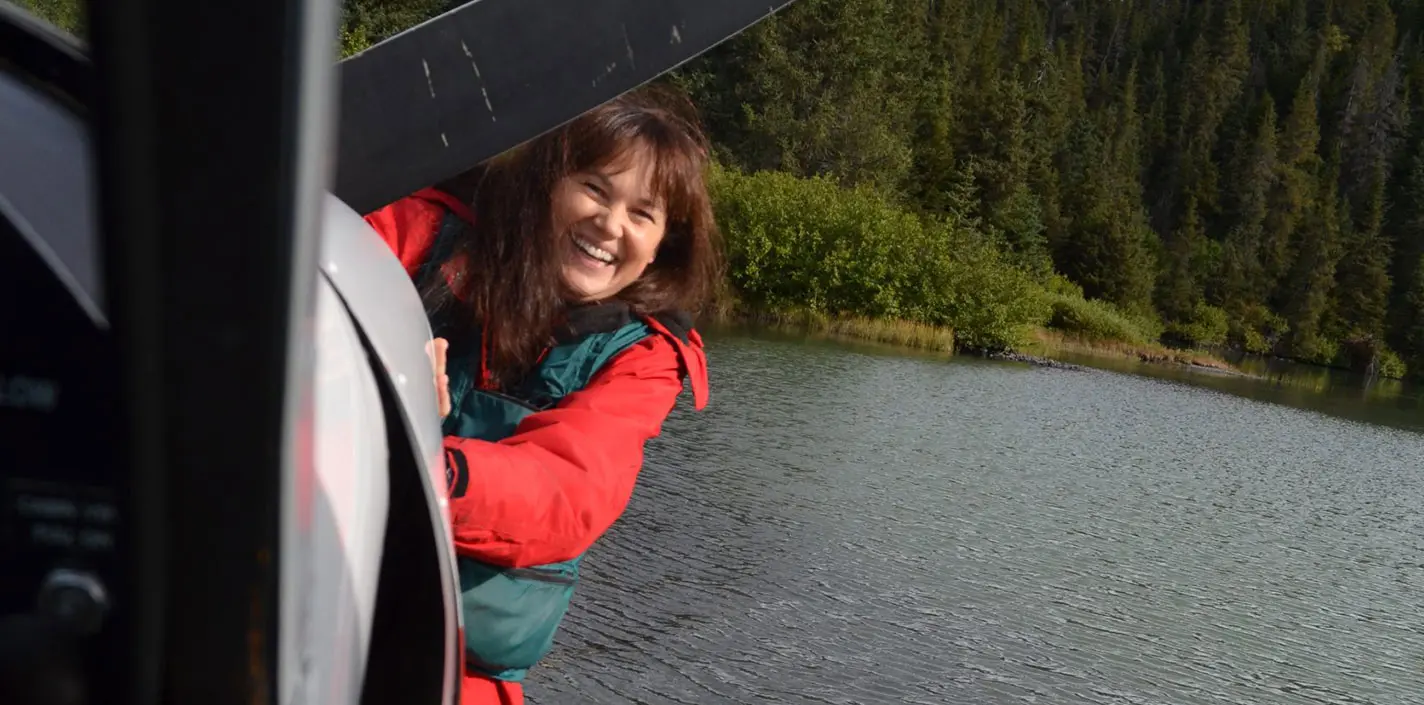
column 1339, row 393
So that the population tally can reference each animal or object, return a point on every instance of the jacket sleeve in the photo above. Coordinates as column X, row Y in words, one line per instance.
column 409, row 227
column 548, row 491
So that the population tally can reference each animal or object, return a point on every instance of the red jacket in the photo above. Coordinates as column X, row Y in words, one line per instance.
column 546, row 493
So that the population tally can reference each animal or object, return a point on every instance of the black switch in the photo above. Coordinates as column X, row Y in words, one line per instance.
column 74, row 599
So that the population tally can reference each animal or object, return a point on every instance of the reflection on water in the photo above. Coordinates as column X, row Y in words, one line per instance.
column 1323, row 380
column 1340, row 393
column 843, row 526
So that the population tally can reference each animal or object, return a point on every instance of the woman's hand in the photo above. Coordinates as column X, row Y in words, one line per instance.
column 436, row 349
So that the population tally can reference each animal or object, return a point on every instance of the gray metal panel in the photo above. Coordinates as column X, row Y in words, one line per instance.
column 46, row 187
column 346, row 517
column 379, row 294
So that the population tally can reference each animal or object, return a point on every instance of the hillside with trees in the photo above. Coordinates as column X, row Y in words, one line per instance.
column 1249, row 173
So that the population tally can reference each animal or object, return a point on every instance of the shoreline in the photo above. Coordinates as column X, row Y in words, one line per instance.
column 1048, row 344
column 1042, row 349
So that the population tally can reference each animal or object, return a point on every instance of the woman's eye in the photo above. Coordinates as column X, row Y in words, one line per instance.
column 594, row 188
column 644, row 215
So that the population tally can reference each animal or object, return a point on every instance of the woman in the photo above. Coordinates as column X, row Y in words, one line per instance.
column 564, row 294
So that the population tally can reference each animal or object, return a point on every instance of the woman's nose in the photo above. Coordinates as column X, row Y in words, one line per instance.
column 613, row 220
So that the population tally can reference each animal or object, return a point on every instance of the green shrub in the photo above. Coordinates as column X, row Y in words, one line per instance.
column 1257, row 330
column 796, row 242
column 1092, row 319
column 367, row 22
column 68, row 15
column 1392, row 365
column 1058, row 284
column 1148, row 322
column 1316, row 349
column 1370, row 355
column 1208, row 326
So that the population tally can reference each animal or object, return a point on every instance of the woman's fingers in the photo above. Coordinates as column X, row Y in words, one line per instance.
column 442, row 387
column 441, row 347
column 437, row 349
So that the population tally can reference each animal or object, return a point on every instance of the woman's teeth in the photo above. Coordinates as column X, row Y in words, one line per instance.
column 593, row 250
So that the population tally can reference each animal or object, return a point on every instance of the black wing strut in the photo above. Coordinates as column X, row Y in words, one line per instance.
column 435, row 100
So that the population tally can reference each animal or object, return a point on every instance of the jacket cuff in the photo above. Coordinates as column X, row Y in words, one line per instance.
column 457, row 473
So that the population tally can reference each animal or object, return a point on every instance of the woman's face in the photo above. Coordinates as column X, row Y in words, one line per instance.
column 610, row 225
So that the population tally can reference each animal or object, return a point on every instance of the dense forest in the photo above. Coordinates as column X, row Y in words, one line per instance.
column 1218, row 172
column 1248, row 172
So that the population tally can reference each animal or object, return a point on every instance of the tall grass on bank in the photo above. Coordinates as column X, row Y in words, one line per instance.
column 906, row 334
column 1054, row 343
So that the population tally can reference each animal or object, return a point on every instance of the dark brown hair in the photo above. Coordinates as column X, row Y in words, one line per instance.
column 509, row 274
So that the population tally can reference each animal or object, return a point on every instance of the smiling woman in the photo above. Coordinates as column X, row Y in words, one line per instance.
column 565, row 289
column 615, row 222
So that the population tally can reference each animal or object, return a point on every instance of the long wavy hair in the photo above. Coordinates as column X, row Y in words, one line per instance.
column 507, row 269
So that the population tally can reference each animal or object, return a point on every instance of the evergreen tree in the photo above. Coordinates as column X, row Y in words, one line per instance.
column 1311, row 279
column 1406, row 225
column 1177, row 291
column 1241, row 282
column 1362, row 280
column 1294, row 193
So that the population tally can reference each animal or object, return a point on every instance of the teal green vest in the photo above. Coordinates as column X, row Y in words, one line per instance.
column 512, row 614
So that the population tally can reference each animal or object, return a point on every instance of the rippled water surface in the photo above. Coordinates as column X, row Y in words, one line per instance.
column 851, row 527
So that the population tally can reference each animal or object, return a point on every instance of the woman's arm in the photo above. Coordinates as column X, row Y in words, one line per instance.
column 546, row 493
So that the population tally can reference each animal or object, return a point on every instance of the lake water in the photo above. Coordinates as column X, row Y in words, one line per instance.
column 848, row 525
